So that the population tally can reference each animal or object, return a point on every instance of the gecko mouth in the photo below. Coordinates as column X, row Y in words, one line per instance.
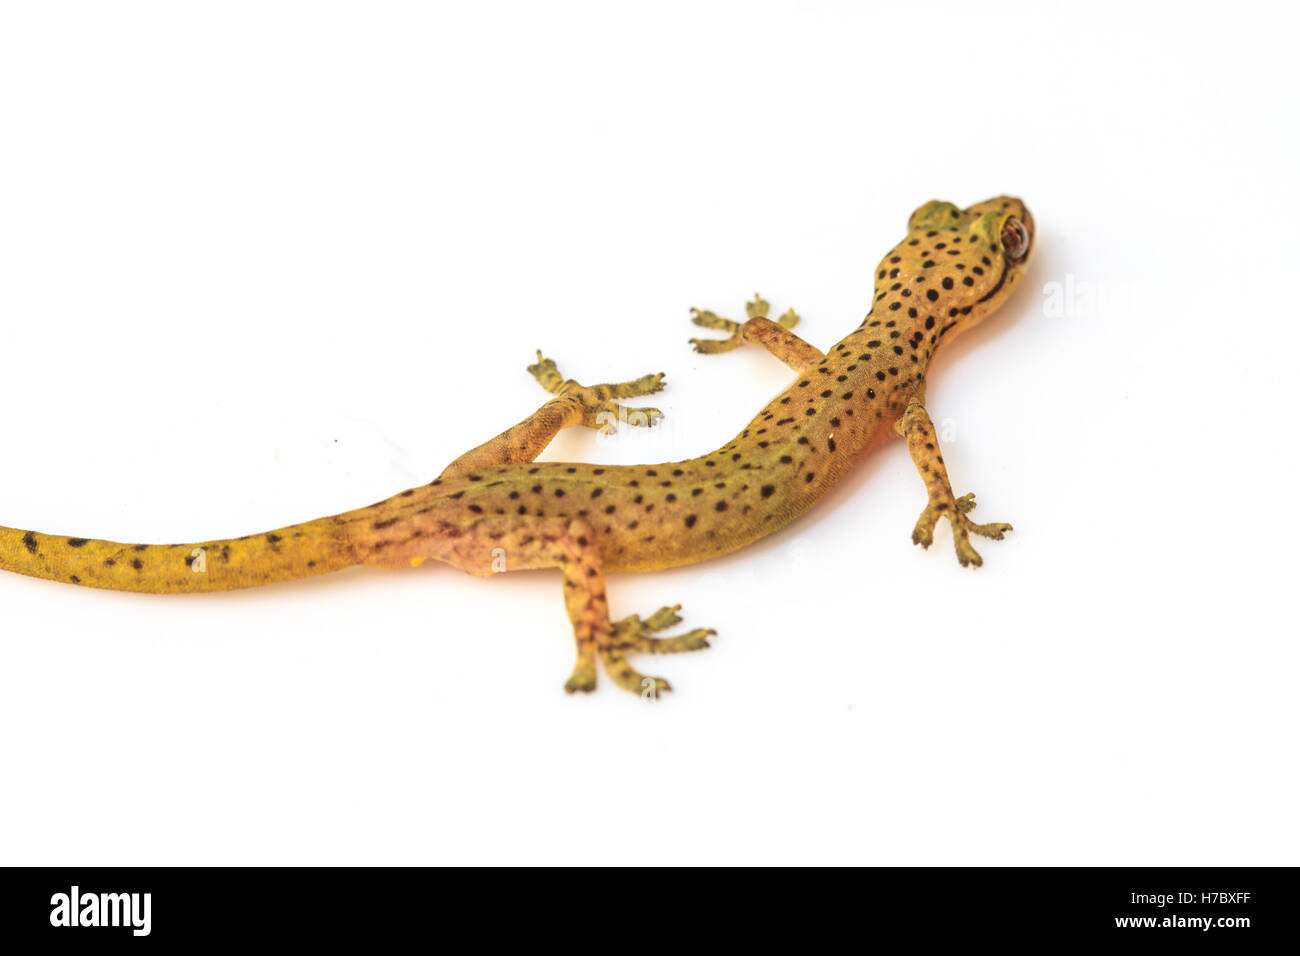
column 1006, row 265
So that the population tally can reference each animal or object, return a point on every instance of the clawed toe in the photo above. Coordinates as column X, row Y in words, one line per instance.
column 664, row 617
column 645, row 385
column 696, row 640
column 789, row 319
column 547, row 375
column 714, row 346
column 710, row 320
column 629, row 678
column 582, row 680
column 966, row 554
column 994, row 530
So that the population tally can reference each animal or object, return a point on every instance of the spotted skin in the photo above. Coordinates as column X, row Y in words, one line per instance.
column 496, row 509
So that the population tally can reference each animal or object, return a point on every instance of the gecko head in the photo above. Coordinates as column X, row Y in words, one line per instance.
column 955, row 266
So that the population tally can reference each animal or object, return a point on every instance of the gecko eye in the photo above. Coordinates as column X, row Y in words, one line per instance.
column 1015, row 238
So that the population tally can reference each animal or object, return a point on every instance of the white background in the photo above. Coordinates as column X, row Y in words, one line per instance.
column 261, row 262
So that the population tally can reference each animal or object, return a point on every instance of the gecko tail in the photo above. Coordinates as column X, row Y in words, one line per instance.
column 296, row 551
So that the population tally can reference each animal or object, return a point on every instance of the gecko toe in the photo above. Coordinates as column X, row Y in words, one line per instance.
column 758, row 307
column 582, row 681
column 696, row 640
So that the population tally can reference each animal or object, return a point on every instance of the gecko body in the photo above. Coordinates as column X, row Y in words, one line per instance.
column 496, row 508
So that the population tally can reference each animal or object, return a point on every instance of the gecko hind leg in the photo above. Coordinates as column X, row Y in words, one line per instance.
column 576, row 553
column 599, row 408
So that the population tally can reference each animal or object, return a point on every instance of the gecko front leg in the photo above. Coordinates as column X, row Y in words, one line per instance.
column 776, row 336
column 923, row 444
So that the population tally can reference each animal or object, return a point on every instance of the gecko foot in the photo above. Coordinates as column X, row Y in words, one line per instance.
column 599, row 408
column 633, row 635
column 757, row 308
column 962, row 528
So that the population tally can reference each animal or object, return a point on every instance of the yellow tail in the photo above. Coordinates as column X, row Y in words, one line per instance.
column 297, row 551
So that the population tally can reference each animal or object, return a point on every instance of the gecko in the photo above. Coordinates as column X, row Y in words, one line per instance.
column 496, row 508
